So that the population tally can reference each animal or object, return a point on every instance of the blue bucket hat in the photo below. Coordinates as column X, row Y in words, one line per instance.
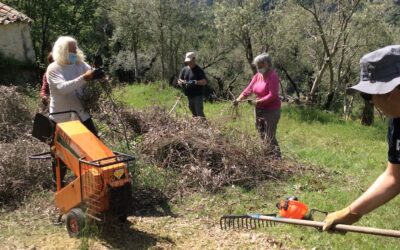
column 380, row 71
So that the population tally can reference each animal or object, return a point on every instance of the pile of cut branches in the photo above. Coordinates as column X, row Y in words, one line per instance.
column 204, row 157
column 15, row 116
column 19, row 176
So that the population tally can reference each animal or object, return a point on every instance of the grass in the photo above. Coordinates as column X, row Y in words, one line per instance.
column 347, row 158
column 352, row 156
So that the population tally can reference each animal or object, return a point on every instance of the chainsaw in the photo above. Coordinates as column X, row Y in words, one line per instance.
column 292, row 211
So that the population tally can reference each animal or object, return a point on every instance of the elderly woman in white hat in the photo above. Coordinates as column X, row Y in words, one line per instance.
column 379, row 83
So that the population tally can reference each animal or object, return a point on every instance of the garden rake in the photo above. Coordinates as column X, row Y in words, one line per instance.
column 252, row 221
column 293, row 212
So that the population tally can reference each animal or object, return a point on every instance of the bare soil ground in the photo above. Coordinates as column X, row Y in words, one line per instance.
column 31, row 227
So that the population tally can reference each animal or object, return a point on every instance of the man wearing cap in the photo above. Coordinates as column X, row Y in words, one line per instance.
column 379, row 83
column 193, row 80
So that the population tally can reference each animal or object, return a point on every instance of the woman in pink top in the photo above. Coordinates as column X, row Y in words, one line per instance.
column 265, row 85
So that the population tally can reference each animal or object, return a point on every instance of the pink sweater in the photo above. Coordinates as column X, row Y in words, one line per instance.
column 266, row 88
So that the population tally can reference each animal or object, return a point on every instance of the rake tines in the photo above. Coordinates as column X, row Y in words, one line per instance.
column 244, row 221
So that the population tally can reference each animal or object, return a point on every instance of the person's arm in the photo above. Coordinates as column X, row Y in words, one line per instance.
column 181, row 76
column 57, row 79
column 248, row 90
column 44, row 91
column 385, row 188
column 273, row 92
column 201, row 76
column 202, row 82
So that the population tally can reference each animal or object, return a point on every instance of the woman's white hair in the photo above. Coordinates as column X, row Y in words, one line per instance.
column 60, row 50
column 263, row 58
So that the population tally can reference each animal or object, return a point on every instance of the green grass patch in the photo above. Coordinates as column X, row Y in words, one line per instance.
column 350, row 155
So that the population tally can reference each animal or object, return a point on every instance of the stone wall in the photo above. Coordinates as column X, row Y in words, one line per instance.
column 16, row 51
column 16, row 42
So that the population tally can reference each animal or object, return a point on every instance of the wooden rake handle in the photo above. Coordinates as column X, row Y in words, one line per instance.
column 337, row 227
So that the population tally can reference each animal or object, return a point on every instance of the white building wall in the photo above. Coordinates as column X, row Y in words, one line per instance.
column 16, row 41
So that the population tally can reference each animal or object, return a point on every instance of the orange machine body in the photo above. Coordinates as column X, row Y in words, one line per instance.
column 95, row 166
column 292, row 209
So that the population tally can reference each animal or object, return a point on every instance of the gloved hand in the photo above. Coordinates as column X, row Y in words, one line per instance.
column 344, row 216
column 98, row 73
column 191, row 82
column 235, row 102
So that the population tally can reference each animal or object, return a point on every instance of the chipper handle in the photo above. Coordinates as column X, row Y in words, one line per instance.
column 337, row 227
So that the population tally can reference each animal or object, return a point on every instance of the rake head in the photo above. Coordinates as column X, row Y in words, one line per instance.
column 244, row 221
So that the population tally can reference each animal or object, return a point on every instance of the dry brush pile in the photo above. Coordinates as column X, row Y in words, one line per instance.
column 19, row 176
column 206, row 158
column 203, row 157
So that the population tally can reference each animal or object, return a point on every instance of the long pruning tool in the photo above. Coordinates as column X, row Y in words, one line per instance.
column 294, row 212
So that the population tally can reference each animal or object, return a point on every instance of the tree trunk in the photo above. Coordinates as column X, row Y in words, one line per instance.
column 317, row 81
column 162, row 47
column 329, row 100
column 135, row 54
column 347, row 106
column 291, row 81
column 249, row 51
column 367, row 118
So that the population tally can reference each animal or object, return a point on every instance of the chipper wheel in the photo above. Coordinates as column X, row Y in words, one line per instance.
column 75, row 222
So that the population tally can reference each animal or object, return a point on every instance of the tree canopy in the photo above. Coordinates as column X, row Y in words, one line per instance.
column 315, row 45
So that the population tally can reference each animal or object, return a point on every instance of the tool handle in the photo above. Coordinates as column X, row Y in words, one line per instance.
column 338, row 227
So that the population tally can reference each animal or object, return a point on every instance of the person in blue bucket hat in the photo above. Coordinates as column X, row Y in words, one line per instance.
column 379, row 84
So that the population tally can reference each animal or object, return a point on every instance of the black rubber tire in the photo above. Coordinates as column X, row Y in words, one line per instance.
column 75, row 222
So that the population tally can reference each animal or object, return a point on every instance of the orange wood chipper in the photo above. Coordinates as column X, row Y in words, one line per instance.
column 101, row 187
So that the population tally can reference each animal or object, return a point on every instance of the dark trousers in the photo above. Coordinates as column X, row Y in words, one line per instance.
column 266, row 124
column 63, row 168
column 196, row 106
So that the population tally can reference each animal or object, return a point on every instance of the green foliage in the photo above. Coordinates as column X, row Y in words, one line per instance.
column 314, row 47
column 82, row 19
column 319, row 49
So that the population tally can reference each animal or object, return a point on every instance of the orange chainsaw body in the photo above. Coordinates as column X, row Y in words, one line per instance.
column 292, row 209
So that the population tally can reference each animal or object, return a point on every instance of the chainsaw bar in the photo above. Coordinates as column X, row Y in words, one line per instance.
column 249, row 221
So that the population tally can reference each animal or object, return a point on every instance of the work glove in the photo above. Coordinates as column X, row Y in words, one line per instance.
column 344, row 216
column 98, row 73
column 235, row 102
column 191, row 82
